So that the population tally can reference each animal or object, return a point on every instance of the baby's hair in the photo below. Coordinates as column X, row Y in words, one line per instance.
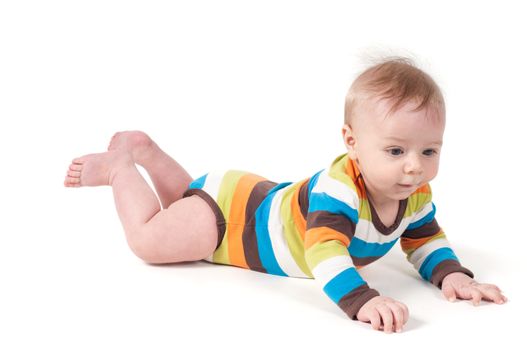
column 398, row 80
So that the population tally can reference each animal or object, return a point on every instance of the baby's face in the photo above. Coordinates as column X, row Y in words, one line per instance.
column 395, row 154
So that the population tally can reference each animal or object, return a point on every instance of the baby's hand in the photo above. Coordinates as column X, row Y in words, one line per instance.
column 393, row 313
column 459, row 285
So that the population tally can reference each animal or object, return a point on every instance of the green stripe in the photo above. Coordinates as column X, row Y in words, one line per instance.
column 416, row 202
column 337, row 171
column 292, row 236
column 224, row 200
column 365, row 210
column 319, row 252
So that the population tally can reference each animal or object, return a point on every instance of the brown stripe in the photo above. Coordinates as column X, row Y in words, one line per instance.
column 303, row 199
column 430, row 229
column 250, row 245
column 364, row 261
column 340, row 223
column 378, row 223
column 353, row 301
column 220, row 219
column 446, row 267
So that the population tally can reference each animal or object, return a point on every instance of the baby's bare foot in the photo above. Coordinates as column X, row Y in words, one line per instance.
column 137, row 143
column 96, row 169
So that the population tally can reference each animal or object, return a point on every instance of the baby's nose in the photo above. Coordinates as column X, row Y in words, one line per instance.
column 413, row 166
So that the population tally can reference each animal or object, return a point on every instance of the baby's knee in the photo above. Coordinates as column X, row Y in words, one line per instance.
column 144, row 247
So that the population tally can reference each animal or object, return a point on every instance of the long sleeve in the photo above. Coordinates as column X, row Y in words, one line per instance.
column 427, row 248
column 330, row 227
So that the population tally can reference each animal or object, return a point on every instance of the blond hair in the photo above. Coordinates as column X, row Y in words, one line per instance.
column 397, row 80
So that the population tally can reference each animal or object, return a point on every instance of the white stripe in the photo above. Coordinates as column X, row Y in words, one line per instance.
column 278, row 241
column 212, row 184
column 366, row 231
column 212, row 187
column 326, row 270
column 420, row 254
column 336, row 189
column 423, row 212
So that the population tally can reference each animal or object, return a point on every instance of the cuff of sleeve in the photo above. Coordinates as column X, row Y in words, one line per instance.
column 447, row 267
column 353, row 301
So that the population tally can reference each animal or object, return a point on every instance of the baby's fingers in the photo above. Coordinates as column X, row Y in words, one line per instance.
column 449, row 292
column 387, row 317
column 406, row 313
column 375, row 319
column 398, row 316
column 492, row 293
column 476, row 296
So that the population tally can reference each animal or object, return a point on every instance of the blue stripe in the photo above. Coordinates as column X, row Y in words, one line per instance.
column 312, row 182
column 277, row 187
column 343, row 283
column 428, row 218
column 433, row 259
column 361, row 249
column 265, row 249
column 323, row 201
column 198, row 183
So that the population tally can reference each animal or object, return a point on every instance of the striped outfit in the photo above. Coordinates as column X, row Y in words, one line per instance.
column 322, row 227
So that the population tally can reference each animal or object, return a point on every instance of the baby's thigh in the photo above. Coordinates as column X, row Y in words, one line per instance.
column 186, row 231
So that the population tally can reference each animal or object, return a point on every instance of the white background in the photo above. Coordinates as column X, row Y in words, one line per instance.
column 249, row 85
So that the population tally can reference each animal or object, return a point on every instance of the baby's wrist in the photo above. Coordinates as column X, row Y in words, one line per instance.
column 445, row 268
column 352, row 306
column 457, row 276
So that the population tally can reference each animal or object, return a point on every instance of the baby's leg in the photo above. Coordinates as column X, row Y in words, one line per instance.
column 169, row 178
column 186, row 231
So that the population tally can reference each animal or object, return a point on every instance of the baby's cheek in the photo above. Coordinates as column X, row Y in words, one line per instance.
column 390, row 175
column 432, row 172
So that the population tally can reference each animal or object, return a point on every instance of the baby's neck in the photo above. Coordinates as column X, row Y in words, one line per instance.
column 381, row 203
column 386, row 211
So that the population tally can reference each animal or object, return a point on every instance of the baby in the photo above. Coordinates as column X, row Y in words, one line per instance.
column 324, row 227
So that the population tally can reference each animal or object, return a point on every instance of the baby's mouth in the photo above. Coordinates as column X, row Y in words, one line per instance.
column 406, row 186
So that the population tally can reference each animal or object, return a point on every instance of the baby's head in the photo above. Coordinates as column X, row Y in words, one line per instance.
column 393, row 129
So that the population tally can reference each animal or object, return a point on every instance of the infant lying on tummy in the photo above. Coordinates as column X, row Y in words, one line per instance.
column 326, row 226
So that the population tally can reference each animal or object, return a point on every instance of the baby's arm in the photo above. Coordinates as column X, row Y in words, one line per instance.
column 328, row 258
column 428, row 250
column 329, row 231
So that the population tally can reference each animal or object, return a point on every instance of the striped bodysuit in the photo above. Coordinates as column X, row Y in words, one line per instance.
column 322, row 227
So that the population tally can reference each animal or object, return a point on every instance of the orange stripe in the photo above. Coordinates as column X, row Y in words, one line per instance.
column 323, row 234
column 352, row 169
column 298, row 218
column 237, row 218
column 423, row 189
column 409, row 243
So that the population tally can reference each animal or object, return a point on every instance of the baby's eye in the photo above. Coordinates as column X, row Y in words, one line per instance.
column 429, row 152
column 395, row 151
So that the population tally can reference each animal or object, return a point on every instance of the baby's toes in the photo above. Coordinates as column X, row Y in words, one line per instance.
column 70, row 181
column 76, row 167
column 78, row 161
column 74, row 174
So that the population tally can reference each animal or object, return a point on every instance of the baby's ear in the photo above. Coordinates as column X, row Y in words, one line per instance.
column 348, row 136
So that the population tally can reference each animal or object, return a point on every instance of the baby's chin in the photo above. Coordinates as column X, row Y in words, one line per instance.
column 401, row 193
column 400, row 197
